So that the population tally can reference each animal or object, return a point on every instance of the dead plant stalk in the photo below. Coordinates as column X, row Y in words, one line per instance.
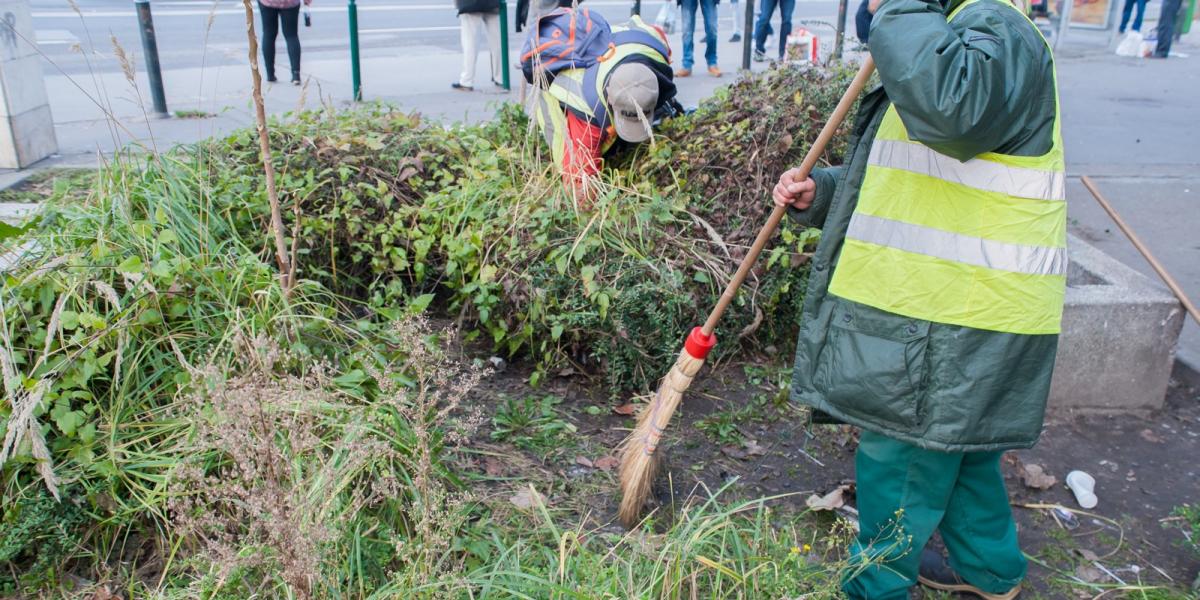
column 264, row 144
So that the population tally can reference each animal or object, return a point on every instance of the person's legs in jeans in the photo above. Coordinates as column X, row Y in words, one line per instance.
column 291, row 34
column 1166, row 28
column 902, row 495
column 1125, row 11
column 468, row 35
column 688, row 30
column 709, row 9
column 785, row 24
column 978, row 528
column 765, row 8
column 1141, row 12
column 270, row 26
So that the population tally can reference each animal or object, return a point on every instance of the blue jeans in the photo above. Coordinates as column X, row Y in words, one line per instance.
column 1137, row 20
column 767, row 7
column 709, row 9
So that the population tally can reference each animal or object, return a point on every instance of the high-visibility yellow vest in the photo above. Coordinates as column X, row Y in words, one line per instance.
column 581, row 91
column 980, row 243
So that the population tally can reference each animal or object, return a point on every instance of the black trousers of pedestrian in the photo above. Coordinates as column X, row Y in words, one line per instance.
column 271, row 18
column 1166, row 27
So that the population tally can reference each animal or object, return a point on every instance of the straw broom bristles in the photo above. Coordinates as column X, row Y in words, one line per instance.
column 639, row 462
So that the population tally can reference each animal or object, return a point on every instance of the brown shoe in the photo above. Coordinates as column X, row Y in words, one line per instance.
column 935, row 572
column 714, row 70
column 683, row 73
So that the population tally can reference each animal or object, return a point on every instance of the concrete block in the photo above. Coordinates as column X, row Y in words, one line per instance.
column 27, row 138
column 1119, row 336
column 21, row 82
column 16, row 30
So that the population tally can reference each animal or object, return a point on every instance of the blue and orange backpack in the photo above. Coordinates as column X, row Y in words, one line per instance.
column 565, row 38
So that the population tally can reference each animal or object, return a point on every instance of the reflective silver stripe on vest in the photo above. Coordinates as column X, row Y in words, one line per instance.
column 1017, row 258
column 979, row 174
column 571, row 87
column 547, row 120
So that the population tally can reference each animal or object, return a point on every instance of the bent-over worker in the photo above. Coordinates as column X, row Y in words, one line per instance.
column 583, row 112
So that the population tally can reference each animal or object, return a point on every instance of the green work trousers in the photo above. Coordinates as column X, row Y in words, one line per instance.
column 906, row 493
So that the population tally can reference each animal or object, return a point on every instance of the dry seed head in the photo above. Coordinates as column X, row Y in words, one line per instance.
column 123, row 59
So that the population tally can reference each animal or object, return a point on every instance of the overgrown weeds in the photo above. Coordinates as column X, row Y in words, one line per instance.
column 223, row 434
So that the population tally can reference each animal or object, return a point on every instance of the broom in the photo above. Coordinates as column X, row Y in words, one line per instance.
column 638, row 464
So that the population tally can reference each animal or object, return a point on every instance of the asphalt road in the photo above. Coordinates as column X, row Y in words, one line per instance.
column 194, row 33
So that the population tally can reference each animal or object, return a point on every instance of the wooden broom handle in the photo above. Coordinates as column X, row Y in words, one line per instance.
column 806, row 167
column 1137, row 243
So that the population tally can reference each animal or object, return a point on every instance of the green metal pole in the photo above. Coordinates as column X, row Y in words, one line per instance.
column 355, row 72
column 504, row 76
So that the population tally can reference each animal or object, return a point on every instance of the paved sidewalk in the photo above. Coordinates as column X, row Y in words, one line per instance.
column 417, row 79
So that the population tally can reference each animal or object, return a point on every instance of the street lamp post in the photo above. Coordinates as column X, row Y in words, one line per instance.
column 504, row 76
column 150, row 49
column 355, row 71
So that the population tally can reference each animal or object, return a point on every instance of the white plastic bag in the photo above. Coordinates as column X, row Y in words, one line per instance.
column 668, row 17
column 1149, row 44
column 802, row 47
column 1131, row 45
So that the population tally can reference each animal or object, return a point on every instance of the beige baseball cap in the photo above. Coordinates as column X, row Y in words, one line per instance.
column 632, row 95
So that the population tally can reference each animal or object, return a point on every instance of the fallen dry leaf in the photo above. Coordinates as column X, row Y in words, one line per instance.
column 607, row 463
column 1035, row 477
column 1089, row 574
column 626, row 409
column 104, row 594
column 831, row 501
column 734, row 452
column 1088, row 554
column 1150, row 436
column 493, row 467
column 754, row 449
column 583, row 461
column 527, row 498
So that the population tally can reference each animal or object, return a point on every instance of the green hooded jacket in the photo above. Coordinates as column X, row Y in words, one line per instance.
column 983, row 82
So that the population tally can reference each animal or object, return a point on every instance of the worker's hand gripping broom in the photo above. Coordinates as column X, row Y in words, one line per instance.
column 637, row 451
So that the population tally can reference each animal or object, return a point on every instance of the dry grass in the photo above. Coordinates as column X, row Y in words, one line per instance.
column 281, row 463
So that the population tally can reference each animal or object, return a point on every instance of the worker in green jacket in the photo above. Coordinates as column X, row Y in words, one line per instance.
column 934, row 301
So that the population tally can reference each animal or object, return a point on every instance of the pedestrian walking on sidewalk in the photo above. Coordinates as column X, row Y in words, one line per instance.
column 478, row 18
column 1137, row 20
column 286, row 13
column 762, row 27
column 709, row 9
column 1166, row 27
column 935, row 294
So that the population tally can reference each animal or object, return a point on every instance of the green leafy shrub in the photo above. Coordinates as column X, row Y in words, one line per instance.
column 532, row 424
column 473, row 221
column 37, row 534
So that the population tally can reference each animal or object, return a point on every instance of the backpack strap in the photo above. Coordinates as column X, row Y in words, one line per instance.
column 638, row 36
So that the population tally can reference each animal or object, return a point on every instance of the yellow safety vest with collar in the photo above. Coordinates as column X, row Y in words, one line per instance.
column 581, row 91
column 980, row 243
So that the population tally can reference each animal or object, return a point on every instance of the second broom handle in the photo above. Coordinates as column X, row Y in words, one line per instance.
column 806, row 167
column 1141, row 247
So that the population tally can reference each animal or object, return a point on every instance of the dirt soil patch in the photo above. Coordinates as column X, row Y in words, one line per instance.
column 736, row 429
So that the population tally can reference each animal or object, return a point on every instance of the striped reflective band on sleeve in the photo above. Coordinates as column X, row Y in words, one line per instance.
column 918, row 239
column 975, row 173
column 546, row 119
